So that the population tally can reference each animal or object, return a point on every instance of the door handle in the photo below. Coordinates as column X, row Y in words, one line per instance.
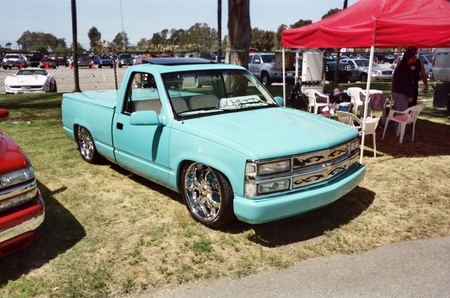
column 119, row 126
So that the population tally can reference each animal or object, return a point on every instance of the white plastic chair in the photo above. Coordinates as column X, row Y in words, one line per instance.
column 312, row 95
column 355, row 94
column 371, row 126
column 403, row 118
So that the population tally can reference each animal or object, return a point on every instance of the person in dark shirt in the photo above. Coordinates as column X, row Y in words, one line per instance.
column 419, row 73
column 403, row 83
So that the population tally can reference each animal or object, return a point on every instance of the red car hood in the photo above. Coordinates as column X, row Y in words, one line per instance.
column 11, row 156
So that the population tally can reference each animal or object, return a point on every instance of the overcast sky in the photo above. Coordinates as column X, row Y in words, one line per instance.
column 142, row 18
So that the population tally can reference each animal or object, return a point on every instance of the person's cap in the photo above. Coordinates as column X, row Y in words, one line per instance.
column 412, row 49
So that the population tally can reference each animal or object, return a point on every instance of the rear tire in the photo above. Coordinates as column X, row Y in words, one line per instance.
column 265, row 79
column 86, row 145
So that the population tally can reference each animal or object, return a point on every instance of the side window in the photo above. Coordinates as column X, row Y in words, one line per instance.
column 142, row 94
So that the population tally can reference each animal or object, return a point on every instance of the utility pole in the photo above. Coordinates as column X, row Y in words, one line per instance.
column 75, row 46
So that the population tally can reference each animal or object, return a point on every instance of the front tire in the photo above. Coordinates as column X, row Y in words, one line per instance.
column 265, row 79
column 86, row 145
column 363, row 77
column 207, row 195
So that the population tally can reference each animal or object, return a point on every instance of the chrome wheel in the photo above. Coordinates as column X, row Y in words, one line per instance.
column 207, row 195
column 86, row 145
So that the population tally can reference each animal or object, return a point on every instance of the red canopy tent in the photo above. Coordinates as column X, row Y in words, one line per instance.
column 377, row 23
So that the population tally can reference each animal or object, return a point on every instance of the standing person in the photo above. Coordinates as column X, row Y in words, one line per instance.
column 419, row 73
column 403, row 83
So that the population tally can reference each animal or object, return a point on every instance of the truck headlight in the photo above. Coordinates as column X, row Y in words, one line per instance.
column 254, row 169
column 16, row 177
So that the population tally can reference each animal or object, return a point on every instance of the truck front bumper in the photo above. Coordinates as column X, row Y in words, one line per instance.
column 22, row 225
column 256, row 211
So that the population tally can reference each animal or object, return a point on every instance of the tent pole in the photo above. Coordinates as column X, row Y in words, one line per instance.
column 366, row 102
column 284, row 76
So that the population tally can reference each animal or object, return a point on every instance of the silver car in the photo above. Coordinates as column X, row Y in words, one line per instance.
column 359, row 68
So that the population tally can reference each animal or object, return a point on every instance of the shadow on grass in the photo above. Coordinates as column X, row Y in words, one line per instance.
column 430, row 139
column 61, row 232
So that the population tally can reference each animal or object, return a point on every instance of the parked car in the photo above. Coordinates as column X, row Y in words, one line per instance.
column 30, row 80
column 22, row 208
column 262, row 66
column 344, row 72
column 35, row 58
column 47, row 62
column 124, row 59
column 84, row 60
column 61, row 60
column 103, row 60
column 230, row 149
column 359, row 68
column 14, row 60
column 427, row 59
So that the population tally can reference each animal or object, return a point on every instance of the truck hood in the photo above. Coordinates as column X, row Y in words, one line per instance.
column 11, row 156
column 271, row 132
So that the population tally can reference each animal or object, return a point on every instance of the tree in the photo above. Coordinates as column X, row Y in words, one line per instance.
column 278, row 35
column 30, row 39
column 331, row 12
column 121, row 40
column 239, row 32
column 94, row 36
column 301, row 23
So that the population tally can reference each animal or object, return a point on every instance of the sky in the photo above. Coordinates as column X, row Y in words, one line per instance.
column 142, row 18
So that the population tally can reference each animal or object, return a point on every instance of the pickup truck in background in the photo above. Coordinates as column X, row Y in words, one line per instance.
column 262, row 66
column 22, row 209
column 229, row 148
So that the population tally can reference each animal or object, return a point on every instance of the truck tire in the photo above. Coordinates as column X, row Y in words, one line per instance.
column 207, row 194
column 363, row 77
column 86, row 145
column 265, row 79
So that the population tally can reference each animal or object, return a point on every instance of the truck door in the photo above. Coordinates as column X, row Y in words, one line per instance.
column 254, row 64
column 142, row 149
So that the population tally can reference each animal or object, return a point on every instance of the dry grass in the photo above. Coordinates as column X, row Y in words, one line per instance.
column 111, row 233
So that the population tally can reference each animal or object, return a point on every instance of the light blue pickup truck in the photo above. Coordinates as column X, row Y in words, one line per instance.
column 213, row 133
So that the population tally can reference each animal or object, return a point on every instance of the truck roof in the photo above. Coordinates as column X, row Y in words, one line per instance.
column 181, row 64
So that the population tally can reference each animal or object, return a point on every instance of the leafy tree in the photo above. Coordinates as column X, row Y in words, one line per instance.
column 94, row 36
column 278, row 36
column 121, row 40
column 300, row 23
column 29, row 39
column 40, row 49
column 79, row 48
column 331, row 12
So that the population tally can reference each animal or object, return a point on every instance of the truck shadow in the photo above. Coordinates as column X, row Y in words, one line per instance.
column 308, row 225
column 61, row 232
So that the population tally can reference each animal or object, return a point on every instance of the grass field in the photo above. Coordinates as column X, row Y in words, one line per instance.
column 109, row 233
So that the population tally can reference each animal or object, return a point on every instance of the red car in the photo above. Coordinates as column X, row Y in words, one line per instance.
column 47, row 63
column 22, row 208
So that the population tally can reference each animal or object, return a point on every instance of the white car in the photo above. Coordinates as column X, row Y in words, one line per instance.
column 30, row 80
column 359, row 68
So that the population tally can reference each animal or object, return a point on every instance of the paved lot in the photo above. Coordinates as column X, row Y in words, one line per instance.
column 90, row 79
column 408, row 269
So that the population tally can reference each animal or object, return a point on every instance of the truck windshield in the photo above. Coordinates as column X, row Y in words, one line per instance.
column 197, row 93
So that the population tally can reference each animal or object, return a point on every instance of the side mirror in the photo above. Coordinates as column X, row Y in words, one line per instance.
column 145, row 118
column 279, row 100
